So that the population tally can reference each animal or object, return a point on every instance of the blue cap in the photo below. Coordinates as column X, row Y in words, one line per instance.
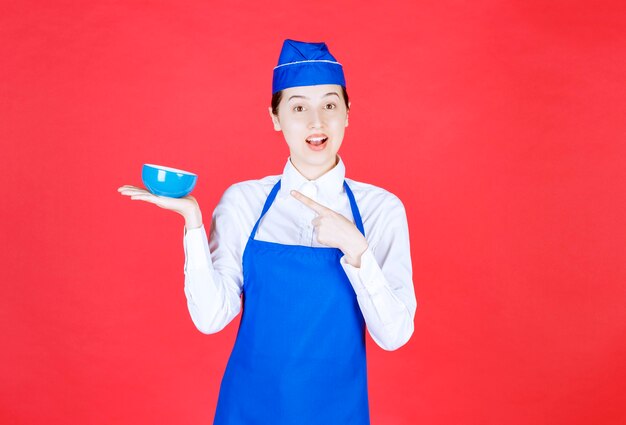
column 306, row 64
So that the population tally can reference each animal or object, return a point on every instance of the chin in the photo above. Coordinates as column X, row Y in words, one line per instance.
column 319, row 157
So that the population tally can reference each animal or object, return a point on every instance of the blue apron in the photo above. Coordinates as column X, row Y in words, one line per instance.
column 299, row 355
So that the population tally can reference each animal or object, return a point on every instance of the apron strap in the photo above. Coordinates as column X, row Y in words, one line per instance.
column 355, row 209
column 268, row 204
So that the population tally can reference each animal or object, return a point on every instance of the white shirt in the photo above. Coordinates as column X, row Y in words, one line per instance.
column 383, row 283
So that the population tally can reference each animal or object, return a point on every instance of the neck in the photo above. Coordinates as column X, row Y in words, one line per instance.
column 314, row 172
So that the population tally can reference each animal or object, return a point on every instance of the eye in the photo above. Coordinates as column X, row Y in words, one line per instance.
column 330, row 106
column 298, row 108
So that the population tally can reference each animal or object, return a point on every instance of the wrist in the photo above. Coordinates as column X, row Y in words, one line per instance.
column 354, row 253
column 193, row 219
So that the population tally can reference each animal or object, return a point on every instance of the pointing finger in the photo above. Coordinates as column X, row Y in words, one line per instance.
column 318, row 208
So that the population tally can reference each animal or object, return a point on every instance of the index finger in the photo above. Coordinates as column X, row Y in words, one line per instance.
column 127, row 186
column 318, row 208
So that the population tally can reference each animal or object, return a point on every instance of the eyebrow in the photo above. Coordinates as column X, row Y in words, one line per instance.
column 304, row 97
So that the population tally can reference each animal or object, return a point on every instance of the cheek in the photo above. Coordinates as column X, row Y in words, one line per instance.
column 339, row 125
column 293, row 134
column 294, row 127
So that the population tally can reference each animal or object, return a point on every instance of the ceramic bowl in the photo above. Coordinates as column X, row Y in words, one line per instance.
column 167, row 181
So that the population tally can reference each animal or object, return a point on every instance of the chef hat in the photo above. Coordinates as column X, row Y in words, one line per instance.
column 306, row 64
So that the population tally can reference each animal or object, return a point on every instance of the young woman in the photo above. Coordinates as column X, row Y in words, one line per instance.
column 309, row 257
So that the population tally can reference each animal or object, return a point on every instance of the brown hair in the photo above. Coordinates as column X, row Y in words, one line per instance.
column 276, row 97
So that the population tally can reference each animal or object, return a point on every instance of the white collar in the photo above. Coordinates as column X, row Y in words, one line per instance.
column 329, row 185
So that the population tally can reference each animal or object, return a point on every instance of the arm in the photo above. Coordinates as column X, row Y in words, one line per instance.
column 384, row 283
column 213, row 273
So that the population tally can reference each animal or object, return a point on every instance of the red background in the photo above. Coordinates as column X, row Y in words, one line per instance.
column 499, row 124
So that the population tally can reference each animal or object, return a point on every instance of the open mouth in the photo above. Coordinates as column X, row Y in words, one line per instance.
column 317, row 140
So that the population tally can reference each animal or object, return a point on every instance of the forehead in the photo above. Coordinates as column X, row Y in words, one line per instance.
column 312, row 92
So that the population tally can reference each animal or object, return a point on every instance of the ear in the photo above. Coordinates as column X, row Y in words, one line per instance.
column 348, row 112
column 274, row 119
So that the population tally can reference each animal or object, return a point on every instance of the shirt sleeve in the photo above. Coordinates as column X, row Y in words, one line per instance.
column 384, row 282
column 213, row 271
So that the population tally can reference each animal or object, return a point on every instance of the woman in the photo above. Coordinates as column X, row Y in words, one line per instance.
column 309, row 257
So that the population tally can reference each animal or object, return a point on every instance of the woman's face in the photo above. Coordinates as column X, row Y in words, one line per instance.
column 308, row 115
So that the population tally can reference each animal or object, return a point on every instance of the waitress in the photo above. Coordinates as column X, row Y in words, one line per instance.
column 310, row 257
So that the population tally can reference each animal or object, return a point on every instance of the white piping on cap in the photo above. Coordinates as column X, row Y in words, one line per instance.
column 312, row 60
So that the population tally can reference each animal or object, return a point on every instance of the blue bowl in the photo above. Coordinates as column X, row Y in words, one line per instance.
column 167, row 181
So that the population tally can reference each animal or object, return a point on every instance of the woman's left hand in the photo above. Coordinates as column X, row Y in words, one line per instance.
column 336, row 231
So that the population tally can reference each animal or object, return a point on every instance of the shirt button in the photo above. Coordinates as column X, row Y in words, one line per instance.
column 309, row 189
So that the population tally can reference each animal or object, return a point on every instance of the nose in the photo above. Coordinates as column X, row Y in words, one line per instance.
column 315, row 119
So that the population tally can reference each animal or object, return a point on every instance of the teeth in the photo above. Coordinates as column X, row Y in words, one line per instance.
column 316, row 139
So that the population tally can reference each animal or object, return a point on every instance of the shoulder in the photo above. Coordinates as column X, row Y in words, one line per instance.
column 246, row 198
column 382, row 211
column 251, row 188
column 374, row 197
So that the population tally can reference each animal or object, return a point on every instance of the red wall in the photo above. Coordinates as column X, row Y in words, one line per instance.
column 500, row 126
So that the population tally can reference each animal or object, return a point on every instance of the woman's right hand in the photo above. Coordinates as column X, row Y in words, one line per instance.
column 187, row 206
